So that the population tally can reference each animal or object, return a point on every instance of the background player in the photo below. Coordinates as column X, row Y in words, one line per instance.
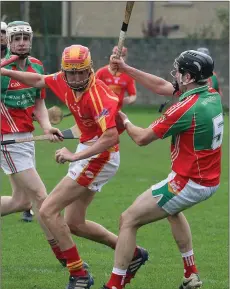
column 3, row 40
column 120, row 83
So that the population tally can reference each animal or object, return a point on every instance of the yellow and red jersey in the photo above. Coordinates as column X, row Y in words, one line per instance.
column 94, row 111
column 119, row 83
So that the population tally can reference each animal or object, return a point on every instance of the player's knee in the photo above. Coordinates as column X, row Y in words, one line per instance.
column 127, row 219
column 44, row 212
column 76, row 227
column 39, row 198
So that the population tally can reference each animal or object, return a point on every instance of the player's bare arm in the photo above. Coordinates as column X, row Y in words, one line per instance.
column 141, row 136
column 154, row 83
column 42, row 117
column 107, row 140
column 129, row 99
column 28, row 78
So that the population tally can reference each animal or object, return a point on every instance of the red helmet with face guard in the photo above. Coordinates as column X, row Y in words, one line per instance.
column 77, row 59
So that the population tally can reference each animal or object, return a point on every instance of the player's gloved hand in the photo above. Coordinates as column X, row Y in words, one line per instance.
column 64, row 155
column 117, row 64
column 55, row 135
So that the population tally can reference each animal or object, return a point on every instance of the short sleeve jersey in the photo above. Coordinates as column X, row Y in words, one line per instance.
column 94, row 111
column 18, row 100
column 119, row 83
column 196, row 126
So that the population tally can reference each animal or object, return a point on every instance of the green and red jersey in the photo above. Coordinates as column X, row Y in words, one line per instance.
column 18, row 100
column 196, row 126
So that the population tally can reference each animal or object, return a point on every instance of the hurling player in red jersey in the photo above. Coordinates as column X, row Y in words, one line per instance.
column 120, row 83
column 94, row 107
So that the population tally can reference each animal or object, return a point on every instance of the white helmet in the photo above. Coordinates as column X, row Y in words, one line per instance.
column 19, row 27
column 3, row 26
column 16, row 27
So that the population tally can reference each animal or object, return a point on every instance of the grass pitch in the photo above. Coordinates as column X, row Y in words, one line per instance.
column 28, row 263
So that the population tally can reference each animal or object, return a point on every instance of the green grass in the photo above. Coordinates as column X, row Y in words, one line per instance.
column 27, row 262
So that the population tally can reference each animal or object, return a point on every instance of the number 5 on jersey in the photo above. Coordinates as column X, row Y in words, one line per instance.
column 218, row 131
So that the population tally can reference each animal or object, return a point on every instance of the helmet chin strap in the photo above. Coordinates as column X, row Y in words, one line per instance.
column 21, row 56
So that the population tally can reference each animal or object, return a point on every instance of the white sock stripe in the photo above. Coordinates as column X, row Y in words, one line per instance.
column 189, row 260
column 187, row 254
column 192, row 260
column 118, row 271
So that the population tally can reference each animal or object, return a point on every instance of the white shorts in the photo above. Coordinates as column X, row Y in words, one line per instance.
column 19, row 156
column 95, row 171
column 177, row 193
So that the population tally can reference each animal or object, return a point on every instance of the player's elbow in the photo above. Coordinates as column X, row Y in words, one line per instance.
column 141, row 141
column 112, row 136
column 145, row 138
column 164, row 88
column 115, row 138
column 132, row 99
column 40, row 83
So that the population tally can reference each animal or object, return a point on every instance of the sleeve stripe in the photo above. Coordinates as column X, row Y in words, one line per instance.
column 110, row 96
column 174, row 108
column 93, row 99
column 179, row 118
column 101, row 120
column 98, row 96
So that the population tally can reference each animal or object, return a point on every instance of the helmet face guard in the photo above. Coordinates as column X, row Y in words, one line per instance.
column 21, row 30
column 77, row 67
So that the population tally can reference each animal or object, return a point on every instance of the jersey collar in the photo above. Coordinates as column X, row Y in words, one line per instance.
column 193, row 91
